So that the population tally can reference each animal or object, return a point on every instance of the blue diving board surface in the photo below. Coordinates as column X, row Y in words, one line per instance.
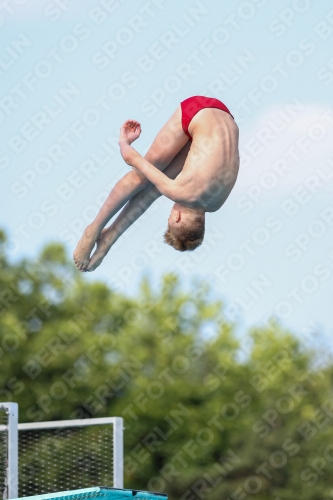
column 100, row 492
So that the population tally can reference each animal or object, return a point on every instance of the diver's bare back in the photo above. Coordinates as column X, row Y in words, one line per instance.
column 211, row 167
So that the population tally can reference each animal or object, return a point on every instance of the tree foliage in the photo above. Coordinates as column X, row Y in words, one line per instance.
column 201, row 421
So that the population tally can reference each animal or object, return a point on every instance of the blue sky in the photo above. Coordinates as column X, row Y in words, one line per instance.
column 72, row 72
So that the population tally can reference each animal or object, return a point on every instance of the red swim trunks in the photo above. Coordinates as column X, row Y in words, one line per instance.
column 192, row 105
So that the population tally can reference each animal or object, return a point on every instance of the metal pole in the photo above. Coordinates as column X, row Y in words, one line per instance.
column 12, row 465
column 56, row 424
column 118, row 453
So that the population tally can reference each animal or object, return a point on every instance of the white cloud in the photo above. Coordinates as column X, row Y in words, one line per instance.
column 285, row 146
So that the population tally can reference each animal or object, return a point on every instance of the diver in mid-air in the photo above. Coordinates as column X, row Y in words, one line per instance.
column 193, row 161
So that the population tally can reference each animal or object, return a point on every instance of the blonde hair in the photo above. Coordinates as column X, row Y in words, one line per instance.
column 186, row 237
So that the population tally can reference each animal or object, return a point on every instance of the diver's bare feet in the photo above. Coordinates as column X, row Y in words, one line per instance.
column 104, row 243
column 84, row 247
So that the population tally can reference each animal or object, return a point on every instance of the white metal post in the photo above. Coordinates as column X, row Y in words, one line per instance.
column 11, row 410
column 118, row 453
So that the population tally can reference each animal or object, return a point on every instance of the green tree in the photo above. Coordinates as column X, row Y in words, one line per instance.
column 200, row 421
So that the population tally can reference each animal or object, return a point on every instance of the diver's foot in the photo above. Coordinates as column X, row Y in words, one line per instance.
column 102, row 248
column 84, row 248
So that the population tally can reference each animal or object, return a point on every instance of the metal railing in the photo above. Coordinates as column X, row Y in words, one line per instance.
column 15, row 437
